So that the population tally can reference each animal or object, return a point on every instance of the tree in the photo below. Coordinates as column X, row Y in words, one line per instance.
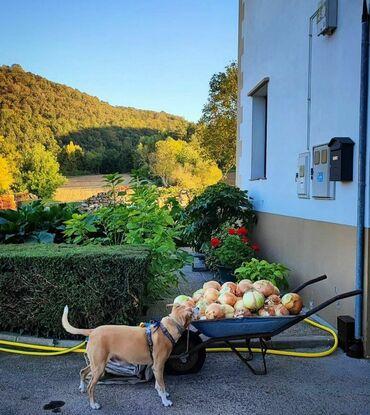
column 71, row 158
column 40, row 172
column 6, row 178
column 180, row 163
column 217, row 127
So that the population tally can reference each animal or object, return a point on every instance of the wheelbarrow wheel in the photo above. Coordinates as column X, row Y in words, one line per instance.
column 193, row 363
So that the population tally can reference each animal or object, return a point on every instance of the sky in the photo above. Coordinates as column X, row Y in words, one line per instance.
column 151, row 54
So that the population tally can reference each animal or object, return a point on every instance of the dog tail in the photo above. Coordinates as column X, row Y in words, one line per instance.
column 71, row 329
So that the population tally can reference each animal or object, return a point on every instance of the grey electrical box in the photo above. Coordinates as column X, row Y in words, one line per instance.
column 322, row 188
column 326, row 18
column 303, row 175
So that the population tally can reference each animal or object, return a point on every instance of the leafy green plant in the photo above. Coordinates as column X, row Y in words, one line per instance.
column 230, row 248
column 208, row 213
column 112, row 182
column 255, row 270
column 141, row 220
column 35, row 222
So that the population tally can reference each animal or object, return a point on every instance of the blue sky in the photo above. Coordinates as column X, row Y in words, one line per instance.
column 152, row 54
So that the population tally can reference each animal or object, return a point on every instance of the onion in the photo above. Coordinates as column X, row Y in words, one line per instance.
column 227, row 298
column 273, row 300
column 198, row 294
column 264, row 287
column 280, row 310
column 202, row 305
column 214, row 312
column 229, row 287
column 293, row 302
column 245, row 285
column 211, row 295
column 212, row 284
column 240, row 310
column 266, row 311
column 181, row 299
column 228, row 310
column 253, row 300
column 276, row 290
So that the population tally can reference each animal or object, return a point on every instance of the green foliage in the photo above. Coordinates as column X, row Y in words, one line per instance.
column 6, row 178
column 112, row 182
column 217, row 128
column 101, row 285
column 208, row 213
column 179, row 163
column 229, row 248
column 141, row 221
column 255, row 270
column 40, row 172
column 35, row 222
column 35, row 111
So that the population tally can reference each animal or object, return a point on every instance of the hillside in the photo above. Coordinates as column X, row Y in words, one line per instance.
column 34, row 111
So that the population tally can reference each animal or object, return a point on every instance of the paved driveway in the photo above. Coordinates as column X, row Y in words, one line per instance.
column 335, row 385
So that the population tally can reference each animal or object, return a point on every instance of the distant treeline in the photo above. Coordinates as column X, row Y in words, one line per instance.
column 82, row 133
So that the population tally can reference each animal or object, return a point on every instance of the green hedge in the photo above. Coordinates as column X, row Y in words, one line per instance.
column 101, row 285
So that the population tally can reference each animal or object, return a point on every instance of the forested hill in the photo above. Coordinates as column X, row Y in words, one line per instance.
column 34, row 111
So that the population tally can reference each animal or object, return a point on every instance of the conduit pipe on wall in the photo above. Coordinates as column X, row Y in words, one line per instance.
column 361, row 194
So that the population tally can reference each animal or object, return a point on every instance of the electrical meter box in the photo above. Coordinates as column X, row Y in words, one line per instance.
column 302, row 177
column 322, row 188
column 341, row 159
column 326, row 17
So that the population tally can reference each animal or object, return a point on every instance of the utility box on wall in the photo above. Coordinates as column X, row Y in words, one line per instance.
column 341, row 159
column 303, row 175
column 326, row 18
column 322, row 188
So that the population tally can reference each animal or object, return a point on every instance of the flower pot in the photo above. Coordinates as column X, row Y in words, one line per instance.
column 225, row 274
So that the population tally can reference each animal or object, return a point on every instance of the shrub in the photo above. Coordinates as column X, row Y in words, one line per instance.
column 101, row 285
column 218, row 205
column 230, row 249
column 35, row 222
column 6, row 178
column 255, row 270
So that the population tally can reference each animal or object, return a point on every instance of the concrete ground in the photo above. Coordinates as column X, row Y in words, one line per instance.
column 335, row 385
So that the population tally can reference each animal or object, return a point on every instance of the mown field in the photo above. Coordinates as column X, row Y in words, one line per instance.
column 79, row 188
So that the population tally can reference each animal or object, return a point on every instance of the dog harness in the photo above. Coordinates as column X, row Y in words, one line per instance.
column 156, row 325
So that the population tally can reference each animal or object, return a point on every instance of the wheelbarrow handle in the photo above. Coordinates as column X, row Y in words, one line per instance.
column 331, row 301
column 300, row 287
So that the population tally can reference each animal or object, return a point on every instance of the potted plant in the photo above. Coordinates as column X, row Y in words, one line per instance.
column 228, row 251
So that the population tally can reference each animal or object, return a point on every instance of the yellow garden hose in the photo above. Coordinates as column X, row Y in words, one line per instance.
column 290, row 353
column 57, row 351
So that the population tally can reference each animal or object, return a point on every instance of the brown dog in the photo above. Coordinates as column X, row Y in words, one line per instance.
column 131, row 345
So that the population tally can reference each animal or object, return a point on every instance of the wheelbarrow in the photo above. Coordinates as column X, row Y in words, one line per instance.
column 189, row 354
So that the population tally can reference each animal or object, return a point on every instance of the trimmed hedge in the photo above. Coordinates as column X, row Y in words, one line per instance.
column 100, row 284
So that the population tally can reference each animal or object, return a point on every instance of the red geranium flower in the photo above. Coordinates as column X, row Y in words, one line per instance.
column 232, row 231
column 255, row 247
column 215, row 242
column 242, row 231
column 245, row 239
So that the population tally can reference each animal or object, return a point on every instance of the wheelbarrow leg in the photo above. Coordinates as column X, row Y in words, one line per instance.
column 250, row 356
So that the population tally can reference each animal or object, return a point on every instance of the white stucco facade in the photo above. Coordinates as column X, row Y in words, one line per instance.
column 275, row 44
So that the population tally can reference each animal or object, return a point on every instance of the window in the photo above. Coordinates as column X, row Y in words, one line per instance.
column 259, row 130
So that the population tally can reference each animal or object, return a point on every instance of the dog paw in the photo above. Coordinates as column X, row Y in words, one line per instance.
column 95, row 405
column 82, row 388
column 167, row 402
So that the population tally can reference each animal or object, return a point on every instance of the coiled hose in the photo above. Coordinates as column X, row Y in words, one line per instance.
column 57, row 351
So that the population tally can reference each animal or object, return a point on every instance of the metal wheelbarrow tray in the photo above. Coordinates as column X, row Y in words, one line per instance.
column 189, row 354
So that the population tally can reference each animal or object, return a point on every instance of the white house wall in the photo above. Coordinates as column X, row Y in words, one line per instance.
column 275, row 45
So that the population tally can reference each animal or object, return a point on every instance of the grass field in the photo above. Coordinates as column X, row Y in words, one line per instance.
column 79, row 188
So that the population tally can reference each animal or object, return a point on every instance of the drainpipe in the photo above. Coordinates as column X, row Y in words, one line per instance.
column 362, row 175
column 309, row 76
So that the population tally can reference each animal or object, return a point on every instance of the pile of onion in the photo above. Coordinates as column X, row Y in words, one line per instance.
column 244, row 299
